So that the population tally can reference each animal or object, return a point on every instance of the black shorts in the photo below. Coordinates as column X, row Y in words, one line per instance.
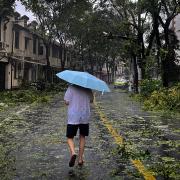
column 72, row 130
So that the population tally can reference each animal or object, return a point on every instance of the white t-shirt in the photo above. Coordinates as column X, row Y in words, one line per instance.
column 79, row 105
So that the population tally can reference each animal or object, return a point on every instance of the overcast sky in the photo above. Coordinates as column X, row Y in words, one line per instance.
column 21, row 9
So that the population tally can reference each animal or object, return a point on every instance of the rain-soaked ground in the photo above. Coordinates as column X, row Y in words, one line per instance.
column 33, row 143
column 151, row 137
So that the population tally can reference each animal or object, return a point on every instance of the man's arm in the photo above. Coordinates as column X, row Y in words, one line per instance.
column 68, row 96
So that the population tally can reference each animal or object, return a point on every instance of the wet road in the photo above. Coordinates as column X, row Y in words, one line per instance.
column 152, row 138
column 37, row 149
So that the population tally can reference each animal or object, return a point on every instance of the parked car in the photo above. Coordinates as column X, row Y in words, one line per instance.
column 121, row 83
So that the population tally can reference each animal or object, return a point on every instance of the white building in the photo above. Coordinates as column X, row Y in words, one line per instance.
column 23, row 53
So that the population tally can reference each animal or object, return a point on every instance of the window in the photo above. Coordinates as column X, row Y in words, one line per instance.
column 26, row 43
column 17, row 70
column 33, row 75
column 60, row 53
column 17, row 39
column 40, row 49
column 5, row 27
column 34, row 45
column 55, row 51
column 0, row 31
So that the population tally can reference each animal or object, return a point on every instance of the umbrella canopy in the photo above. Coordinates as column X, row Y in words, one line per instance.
column 83, row 79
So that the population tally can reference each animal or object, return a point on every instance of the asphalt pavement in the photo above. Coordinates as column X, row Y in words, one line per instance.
column 125, row 142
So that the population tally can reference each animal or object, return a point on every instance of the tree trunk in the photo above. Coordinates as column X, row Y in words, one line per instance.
column 158, row 42
column 142, row 62
column 113, row 70
column 48, row 68
column 107, row 68
column 164, row 73
column 155, row 34
column 62, row 48
column 91, row 63
column 135, row 78
column 63, row 57
column 166, row 60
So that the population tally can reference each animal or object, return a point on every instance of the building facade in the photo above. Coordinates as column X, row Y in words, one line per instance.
column 23, row 53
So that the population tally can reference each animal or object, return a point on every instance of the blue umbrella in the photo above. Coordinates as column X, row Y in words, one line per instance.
column 83, row 79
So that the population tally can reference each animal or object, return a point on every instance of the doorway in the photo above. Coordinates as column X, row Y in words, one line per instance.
column 2, row 75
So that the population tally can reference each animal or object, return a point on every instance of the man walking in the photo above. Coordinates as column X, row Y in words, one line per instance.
column 78, row 100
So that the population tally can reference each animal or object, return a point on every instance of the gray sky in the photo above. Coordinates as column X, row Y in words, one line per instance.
column 21, row 9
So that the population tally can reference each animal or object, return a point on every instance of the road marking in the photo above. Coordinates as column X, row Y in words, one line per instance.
column 16, row 113
column 147, row 174
column 22, row 110
column 117, row 137
column 119, row 140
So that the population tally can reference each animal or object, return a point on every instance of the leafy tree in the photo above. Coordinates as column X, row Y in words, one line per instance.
column 131, row 31
column 44, row 12
column 68, row 19
column 7, row 8
column 56, row 19
column 87, row 38
column 162, row 37
column 147, row 28
column 76, row 23
column 169, row 9
column 133, row 27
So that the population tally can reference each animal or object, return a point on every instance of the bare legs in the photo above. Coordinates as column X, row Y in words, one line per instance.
column 81, row 147
column 72, row 150
column 71, row 146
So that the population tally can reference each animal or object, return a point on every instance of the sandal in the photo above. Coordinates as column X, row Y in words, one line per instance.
column 72, row 160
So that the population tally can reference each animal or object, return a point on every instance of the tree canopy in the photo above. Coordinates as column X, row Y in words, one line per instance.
column 102, row 32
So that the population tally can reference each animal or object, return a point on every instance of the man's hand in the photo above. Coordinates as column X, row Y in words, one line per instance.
column 66, row 102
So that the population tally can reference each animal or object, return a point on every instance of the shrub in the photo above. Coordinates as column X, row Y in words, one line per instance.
column 164, row 99
column 42, row 85
column 58, row 87
column 43, row 99
column 23, row 96
column 148, row 86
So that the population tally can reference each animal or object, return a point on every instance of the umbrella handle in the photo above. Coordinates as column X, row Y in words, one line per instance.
column 103, row 92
